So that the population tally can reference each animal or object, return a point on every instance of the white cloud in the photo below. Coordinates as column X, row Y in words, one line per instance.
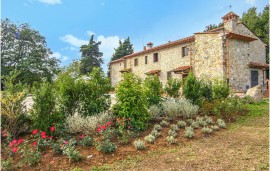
column 58, row 55
column 251, row 2
column 74, row 41
column 51, row 2
column 90, row 33
column 69, row 48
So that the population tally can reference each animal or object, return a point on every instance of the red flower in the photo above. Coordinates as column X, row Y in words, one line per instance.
column 117, row 119
column 43, row 133
column 65, row 142
column 82, row 136
column 20, row 141
column 128, row 127
column 43, row 136
column 14, row 149
column 35, row 131
column 12, row 143
column 108, row 123
column 34, row 143
column 50, row 137
column 4, row 134
column 52, row 128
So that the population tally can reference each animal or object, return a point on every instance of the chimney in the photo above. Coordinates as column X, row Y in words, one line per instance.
column 144, row 47
column 229, row 21
column 149, row 45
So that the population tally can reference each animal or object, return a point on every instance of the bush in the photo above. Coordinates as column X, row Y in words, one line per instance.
column 172, row 133
column 44, row 113
column 172, row 87
column 190, row 121
column 164, row 123
column 195, row 124
column 153, row 90
column 187, row 109
column 131, row 101
column 221, row 89
column 86, row 141
column 208, row 120
column 192, row 89
column 181, row 124
column 106, row 146
column 174, row 128
column 189, row 133
column 155, row 133
column 70, row 150
column 87, row 95
column 206, row 130
column 139, row 144
column 171, row 108
column 201, row 122
column 208, row 107
column 13, row 113
column 154, row 111
column 79, row 123
column 221, row 123
column 150, row 138
column 229, row 109
column 215, row 127
column 206, row 90
column 171, row 140
column 157, row 127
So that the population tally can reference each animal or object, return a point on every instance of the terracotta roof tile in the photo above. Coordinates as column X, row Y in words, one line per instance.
column 231, row 35
column 258, row 65
column 152, row 72
column 126, row 70
column 181, row 68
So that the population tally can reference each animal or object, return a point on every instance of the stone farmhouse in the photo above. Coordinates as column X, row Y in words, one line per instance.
column 232, row 52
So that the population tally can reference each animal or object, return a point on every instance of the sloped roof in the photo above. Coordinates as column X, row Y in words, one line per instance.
column 181, row 68
column 231, row 35
column 152, row 72
column 258, row 65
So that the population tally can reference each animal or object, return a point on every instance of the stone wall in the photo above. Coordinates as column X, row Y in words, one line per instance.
column 168, row 59
column 208, row 59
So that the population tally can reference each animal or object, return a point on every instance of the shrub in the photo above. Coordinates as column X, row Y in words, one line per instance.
column 172, row 87
column 195, row 124
column 87, row 95
column 157, row 127
column 139, row 144
column 150, row 138
column 215, row 127
column 187, row 109
column 206, row 130
column 86, row 141
column 171, row 140
column 56, row 147
column 78, row 123
column 221, row 123
column 31, row 157
column 154, row 111
column 206, row 90
column 189, row 133
column 229, row 109
column 181, row 124
column 44, row 113
column 192, row 89
column 171, row 108
column 220, row 89
column 201, row 122
column 172, row 133
column 131, row 101
column 153, row 89
column 13, row 113
column 106, row 146
column 208, row 107
column 164, row 123
column 70, row 150
column 174, row 128
column 155, row 133
column 208, row 120
column 190, row 121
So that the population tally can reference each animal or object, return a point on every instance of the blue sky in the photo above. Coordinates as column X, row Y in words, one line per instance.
column 67, row 24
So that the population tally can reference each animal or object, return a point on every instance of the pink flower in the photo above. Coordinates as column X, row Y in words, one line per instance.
column 20, row 141
column 52, row 128
column 34, row 143
column 108, row 123
column 82, row 136
column 65, row 142
column 35, row 131
column 14, row 149
column 4, row 134
column 117, row 119
column 128, row 127
column 50, row 137
column 12, row 143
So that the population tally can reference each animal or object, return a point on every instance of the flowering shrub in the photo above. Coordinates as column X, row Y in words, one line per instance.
column 69, row 149
column 86, row 140
column 123, row 130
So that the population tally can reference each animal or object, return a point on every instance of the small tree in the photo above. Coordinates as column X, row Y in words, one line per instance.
column 192, row 89
column 153, row 90
column 131, row 101
column 221, row 89
column 172, row 87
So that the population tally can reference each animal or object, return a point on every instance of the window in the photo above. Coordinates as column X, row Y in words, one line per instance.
column 145, row 59
column 184, row 51
column 169, row 75
column 125, row 64
column 136, row 62
column 155, row 57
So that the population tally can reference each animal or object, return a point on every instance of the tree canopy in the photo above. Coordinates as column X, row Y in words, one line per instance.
column 91, row 56
column 24, row 49
column 124, row 48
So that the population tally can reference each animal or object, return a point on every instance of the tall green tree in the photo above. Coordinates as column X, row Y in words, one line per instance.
column 212, row 26
column 124, row 48
column 24, row 49
column 91, row 56
column 259, row 24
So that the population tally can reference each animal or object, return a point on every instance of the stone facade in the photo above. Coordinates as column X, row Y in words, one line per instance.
column 223, row 53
